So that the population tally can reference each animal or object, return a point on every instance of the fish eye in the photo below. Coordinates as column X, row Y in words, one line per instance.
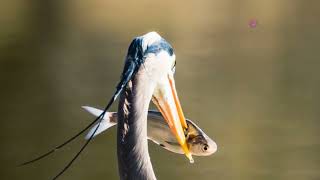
column 205, row 147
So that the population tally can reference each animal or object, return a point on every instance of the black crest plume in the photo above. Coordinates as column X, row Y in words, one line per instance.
column 135, row 58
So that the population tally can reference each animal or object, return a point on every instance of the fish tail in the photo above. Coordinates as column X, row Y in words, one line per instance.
column 105, row 124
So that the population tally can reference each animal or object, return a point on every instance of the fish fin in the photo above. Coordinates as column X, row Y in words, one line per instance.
column 104, row 125
column 162, row 145
column 156, row 142
column 95, row 112
column 173, row 143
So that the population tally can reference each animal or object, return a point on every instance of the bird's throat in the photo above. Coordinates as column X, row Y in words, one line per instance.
column 132, row 145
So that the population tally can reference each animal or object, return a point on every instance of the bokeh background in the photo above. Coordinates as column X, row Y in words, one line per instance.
column 254, row 90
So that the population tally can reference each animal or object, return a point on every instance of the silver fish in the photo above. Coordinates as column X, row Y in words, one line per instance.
column 159, row 132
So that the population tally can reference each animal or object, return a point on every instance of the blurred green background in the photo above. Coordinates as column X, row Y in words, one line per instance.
column 255, row 91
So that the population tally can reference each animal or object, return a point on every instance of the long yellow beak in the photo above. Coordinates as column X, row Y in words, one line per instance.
column 166, row 100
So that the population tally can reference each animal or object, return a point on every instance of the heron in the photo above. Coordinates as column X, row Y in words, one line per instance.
column 147, row 75
column 149, row 68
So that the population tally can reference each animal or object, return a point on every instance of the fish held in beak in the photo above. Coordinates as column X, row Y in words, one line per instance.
column 166, row 99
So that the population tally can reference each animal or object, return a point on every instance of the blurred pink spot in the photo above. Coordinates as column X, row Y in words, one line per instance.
column 253, row 23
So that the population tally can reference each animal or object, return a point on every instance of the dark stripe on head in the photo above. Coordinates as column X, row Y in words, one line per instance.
column 135, row 58
column 159, row 46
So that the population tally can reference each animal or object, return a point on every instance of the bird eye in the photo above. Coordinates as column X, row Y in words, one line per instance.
column 205, row 147
column 174, row 67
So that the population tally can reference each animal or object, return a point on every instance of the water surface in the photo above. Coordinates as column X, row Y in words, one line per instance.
column 254, row 90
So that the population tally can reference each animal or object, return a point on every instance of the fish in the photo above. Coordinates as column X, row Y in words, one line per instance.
column 159, row 132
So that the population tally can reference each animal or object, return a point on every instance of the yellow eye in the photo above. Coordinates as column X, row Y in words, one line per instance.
column 174, row 67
